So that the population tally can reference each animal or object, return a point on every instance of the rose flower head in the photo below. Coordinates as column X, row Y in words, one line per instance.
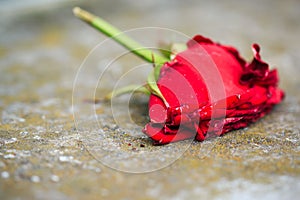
column 208, row 89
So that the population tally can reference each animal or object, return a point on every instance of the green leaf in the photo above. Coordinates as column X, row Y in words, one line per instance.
column 152, row 84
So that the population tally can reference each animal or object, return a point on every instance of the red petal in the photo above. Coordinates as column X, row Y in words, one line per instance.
column 158, row 135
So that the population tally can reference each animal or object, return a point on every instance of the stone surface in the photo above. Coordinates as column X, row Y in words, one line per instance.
column 46, row 152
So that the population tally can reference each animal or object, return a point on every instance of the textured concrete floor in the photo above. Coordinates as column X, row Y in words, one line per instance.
column 46, row 152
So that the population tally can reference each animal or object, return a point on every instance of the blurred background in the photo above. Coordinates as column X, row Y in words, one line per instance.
column 42, row 46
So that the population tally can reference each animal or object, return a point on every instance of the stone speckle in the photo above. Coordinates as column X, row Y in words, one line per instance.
column 5, row 175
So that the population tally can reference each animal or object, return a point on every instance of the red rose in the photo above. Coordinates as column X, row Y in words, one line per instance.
column 210, row 89
column 205, row 90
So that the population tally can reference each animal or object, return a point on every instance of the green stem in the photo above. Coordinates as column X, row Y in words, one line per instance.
column 119, row 37
column 126, row 90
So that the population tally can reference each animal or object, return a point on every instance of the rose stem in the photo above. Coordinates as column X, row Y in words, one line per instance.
column 119, row 36
column 131, row 45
